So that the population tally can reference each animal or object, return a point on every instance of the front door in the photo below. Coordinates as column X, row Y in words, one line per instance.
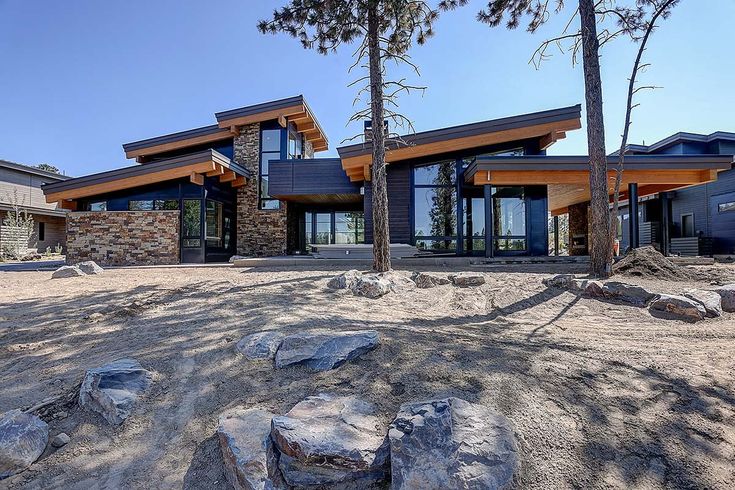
column 509, row 221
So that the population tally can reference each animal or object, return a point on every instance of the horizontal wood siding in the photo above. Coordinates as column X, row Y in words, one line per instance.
column 538, row 232
column 28, row 188
column 399, row 205
column 309, row 177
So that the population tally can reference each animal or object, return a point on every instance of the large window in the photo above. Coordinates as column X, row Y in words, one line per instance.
column 154, row 205
column 342, row 227
column 295, row 144
column 349, row 227
column 213, row 220
column 270, row 149
column 509, row 213
column 474, row 225
column 97, row 206
column 192, row 221
column 435, row 206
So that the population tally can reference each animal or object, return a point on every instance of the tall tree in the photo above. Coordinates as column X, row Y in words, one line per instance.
column 385, row 29
column 48, row 168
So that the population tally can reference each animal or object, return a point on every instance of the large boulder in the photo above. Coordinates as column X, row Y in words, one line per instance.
column 425, row 280
column 399, row 281
column 113, row 389
column 261, row 345
column 23, row 438
column 727, row 293
column 346, row 280
column 372, row 286
column 322, row 350
column 67, row 271
column 451, row 444
column 563, row 281
column 250, row 460
column 711, row 301
column 678, row 308
column 90, row 267
column 332, row 442
column 468, row 279
column 626, row 293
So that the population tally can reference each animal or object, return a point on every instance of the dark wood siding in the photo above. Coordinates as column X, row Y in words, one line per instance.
column 538, row 233
column 399, row 204
column 310, row 177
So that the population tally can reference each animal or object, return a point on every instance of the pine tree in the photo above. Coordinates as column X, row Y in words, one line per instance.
column 385, row 30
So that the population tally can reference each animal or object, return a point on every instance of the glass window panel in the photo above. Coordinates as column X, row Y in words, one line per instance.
column 192, row 218
column 437, row 245
column 476, row 245
column 726, row 206
column 442, row 173
column 307, row 226
column 140, row 205
column 509, row 208
column 474, row 217
column 265, row 159
column 435, row 211
column 192, row 243
column 98, row 206
column 167, row 205
column 270, row 204
column 213, row 217
column 228, row 234
column 271, row 140
column 510, row 244
column 264, row 187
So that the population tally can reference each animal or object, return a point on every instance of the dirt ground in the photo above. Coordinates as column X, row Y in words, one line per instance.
column 602, row 395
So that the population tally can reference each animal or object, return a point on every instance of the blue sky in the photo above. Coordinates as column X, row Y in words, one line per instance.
column 79, row 78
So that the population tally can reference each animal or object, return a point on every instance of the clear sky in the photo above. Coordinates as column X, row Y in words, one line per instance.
column 79, row 78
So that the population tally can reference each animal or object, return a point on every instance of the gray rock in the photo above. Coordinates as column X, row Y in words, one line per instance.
column 322, row 350
column 250, row 460
column 589, row 287
column 113, row 389
column 626, row 293
column 237, row 257
column 678, row 308
column 331, row 442
column 261, row 345
column 67, row 271
column 346, row 280
column 563, row 281
column 467, row 279
column 727, row 293
column 372, row 286
column 424, row 280
column 711, row 301
column 451, row 444
column 399, row 281
column 60, row 440
column 23, row 438
column 90, row 267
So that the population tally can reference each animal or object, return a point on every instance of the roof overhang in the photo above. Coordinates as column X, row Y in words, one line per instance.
column 174, row 141
column 293, row 109
column 549, row 126
column 195, row 166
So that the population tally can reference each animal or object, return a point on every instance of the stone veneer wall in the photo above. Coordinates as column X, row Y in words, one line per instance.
column 259, row 232
column 578, row 225
column 123, row 237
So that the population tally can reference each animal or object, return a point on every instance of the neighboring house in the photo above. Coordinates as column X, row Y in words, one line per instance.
column 701, row 218
column 48, row 219
column 250, row 185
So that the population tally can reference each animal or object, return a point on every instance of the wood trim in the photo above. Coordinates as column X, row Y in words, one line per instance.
column 239, row 182
column 306, row 126
column 196, row 178
column 70, row 205
column 263, row 116
column 235, row 131
column 282, row 121
column 228, row 176
column 175, row 145
column 217, row 171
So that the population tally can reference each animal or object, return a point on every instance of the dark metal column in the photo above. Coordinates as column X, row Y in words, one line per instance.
column 665, row 223
column 633, row 215
column 488, row 220
column 556, row 235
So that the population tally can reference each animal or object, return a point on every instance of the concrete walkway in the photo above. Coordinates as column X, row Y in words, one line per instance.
column 30, row 266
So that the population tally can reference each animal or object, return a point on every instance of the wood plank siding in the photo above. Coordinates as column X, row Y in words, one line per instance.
column 399, row 204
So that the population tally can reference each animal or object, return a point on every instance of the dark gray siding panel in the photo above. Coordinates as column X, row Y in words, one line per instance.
column 310, row 177
column 691, row 200
column 723, row 224
column 399, row 205
column 538, row 220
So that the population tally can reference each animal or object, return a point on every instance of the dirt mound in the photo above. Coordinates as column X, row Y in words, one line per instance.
column 650, row 263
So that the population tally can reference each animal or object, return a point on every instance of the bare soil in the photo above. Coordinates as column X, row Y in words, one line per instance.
column 602, row 395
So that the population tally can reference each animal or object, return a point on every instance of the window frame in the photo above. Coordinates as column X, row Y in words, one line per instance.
column 283, row 152
column 454, row 186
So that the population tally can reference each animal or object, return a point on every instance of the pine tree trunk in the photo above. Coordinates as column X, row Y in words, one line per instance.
column 600, row 245
column 381, row 240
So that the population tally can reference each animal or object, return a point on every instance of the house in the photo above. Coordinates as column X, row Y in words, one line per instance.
column 250, row 184
column 22, row 184
column 694, row 220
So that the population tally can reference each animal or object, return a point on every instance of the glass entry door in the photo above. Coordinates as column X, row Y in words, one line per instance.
column 509, row 220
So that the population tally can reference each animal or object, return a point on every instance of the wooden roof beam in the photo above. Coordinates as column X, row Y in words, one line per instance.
column 228, row 176
column 196, row 178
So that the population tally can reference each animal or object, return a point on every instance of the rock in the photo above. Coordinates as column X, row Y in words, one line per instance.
column 371, row 286
column 322, row 350
column 331, row 442
column 627, row 293
column 711, row 301
column 399, row 281
column 23, row 438
column 563, row 281
column 678, row 308
column 467, row 279
column 589, row 287
column 346, row 280
column 250, row 460
column 261, row 345
column 113, row 389
column 90, row 267
column 67, row 271
column 424, row 280
column 727, row 293
column 60, row 440
column 451, row 444
column 237, row 257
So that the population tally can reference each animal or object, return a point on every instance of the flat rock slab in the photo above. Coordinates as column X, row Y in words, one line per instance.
column 399, row 281
column 727, row 293
column 113, row 389
column 250, row 460
column 467, row 279
column 90, row 267
column 346, row 280
column 711, row 301
column 23, row 438
column 261, row 345
column 331, row 442
column 322, row 350
column 626, row 293
column 372, row 286
column 424, row 280
column 451, row 444
column 678, row 308
column 67, row 271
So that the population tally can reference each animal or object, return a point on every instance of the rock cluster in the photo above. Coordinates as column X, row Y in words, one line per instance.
column 86, row 268
column 377, row 285
column 23, row 438
column 425, row 280
column 467, row 279
column 112, row 390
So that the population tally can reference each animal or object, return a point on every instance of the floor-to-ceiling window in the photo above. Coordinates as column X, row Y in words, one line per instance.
column 270, row 149
column 509, row 219
column 333, row 227
column 435, row 206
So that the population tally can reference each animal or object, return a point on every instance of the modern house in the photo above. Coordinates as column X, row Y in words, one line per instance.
column 250, row 185
column 21, row 184
column 696, row 220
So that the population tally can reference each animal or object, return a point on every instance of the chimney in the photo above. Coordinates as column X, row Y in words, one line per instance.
column 368, row 129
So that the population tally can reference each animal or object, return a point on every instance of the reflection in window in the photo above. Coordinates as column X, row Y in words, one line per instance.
column 270, row 149
column 442, row 173
column 97, row 206
column 509, row 224
column 192, row 223
column 140, row 205
column 435, row 206
column 726, row 206
column 474, row 225
column 323, row 228
column 349, row 227
column 166, row 205
column 157, row 205
column 213, row 220
column 436, row 245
